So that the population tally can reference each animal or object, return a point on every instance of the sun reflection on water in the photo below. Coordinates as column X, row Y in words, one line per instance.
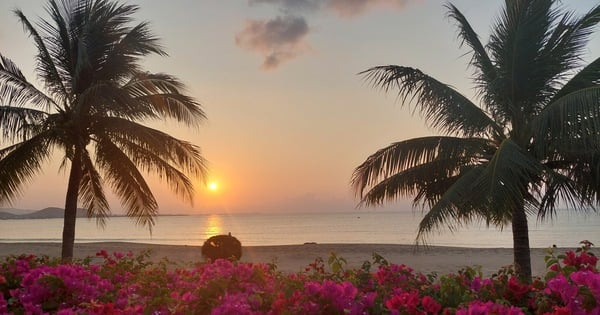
column 213, row 225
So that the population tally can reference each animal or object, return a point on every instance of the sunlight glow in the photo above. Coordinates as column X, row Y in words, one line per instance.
column 213, row 226
column 213, row 186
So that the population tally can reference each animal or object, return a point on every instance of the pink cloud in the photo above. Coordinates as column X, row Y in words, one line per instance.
column 283, row 38
column 277, row 40
column 352, row 8
column 291, row 5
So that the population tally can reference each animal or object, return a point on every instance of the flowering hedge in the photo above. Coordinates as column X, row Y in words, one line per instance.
column 128, row 284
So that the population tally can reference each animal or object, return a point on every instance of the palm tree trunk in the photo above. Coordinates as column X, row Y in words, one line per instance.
column 68, row 237
column 521, row 251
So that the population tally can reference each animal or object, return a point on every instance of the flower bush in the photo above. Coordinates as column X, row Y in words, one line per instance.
column 129, row 284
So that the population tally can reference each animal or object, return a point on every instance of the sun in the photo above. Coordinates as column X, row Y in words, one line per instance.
column 213, row 186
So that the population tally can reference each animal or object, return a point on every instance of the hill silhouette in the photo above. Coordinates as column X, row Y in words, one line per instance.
column 46, row 213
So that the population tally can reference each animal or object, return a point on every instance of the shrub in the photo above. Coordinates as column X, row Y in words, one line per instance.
column 222, row 247
column 128, row 284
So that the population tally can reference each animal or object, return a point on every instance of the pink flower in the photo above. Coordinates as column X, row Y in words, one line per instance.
column 405, row 301
column 484, row 308
column 476, row 284
column 102, row 253
column 3, row 305
column 517, row 289
column 130, row 286
column 430, row 305
column 583, row 261
column 235, row 304
column 561, row 311
column 588, row 261
column 561, row 285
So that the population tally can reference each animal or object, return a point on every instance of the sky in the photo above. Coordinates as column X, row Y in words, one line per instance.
column 289, row 118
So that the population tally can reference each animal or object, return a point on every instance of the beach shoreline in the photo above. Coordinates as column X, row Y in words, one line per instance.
column 295, row 258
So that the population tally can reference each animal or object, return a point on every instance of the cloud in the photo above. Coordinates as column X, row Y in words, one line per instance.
column 353, row 8
column 284, row 37
column 343, row 8
column 278, row 40
column 288, row 6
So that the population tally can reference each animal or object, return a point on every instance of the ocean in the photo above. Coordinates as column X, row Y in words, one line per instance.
column 361, row 226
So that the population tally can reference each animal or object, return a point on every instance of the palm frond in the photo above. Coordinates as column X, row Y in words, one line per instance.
column 562, row 52
column 104, row 98
column 121, row 60
column 571, row 37
column 177, row 180
column 429, row 194
column 92, row 41
column 19, row 163
column 426, row 181
column 441, row 105
column 572, row 122
column 509, row 175
column 58, row 37
column 585, row 174
column 561, row 189
column 109, row 17
column 152, row 157
column 404, row 155
column 456, row 205
column 139, row 41
column 587, row 77
column 153, row 98
column 19, row 123
column 46, row 66
column 91, row 192
column 182, row 154
column 518, row 36
column 15, row 90
column 485, row 70
column 127, row 182
column 161, row 94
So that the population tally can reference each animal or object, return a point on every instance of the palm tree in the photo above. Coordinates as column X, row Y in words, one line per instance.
column 529, row 145
column 91, row 109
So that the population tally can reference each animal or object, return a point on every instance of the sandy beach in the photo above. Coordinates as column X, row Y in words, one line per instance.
column 294, row 258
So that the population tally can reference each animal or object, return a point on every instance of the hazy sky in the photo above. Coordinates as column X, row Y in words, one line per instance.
column 288, row 116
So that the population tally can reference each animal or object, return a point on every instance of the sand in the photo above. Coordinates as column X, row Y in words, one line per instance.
column 294, row 258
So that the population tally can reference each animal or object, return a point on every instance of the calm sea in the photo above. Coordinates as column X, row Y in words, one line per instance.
column 566, row 230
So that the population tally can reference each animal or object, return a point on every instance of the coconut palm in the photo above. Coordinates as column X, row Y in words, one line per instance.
column 91, row 109
column 530, row 144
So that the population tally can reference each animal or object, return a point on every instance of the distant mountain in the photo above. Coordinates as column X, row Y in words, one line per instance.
column 47, row 213
column 7, row 215
column 17, row 211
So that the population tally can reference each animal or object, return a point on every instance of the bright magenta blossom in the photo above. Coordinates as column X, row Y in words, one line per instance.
column 430, row 306
column 583, row 261
column 128, row 284
column 489, row 308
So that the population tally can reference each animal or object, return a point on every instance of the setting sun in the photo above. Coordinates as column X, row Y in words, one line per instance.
column 212, row 186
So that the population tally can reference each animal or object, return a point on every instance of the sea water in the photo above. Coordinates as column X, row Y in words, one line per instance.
column 364, row 226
